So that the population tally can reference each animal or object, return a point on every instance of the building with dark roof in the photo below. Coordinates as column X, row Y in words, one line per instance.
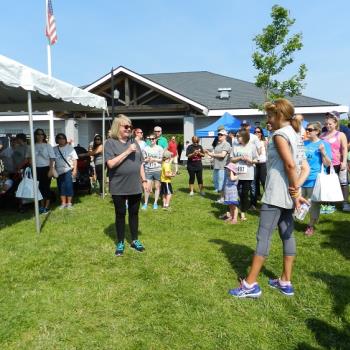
column 179, row 102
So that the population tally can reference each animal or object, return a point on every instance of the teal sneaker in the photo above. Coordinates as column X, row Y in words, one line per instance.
column 137, row 245
column 119, row 251
column 144, row 206
column 155, row 206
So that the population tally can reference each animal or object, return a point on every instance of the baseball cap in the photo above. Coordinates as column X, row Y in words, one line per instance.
column 245, row 122
column 222, row 132
column 232, row 167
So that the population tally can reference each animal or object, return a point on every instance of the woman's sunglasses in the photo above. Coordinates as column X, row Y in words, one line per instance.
column 310, row 129
column 127, row 127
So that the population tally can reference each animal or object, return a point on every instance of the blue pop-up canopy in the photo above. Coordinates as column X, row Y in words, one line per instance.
column 227, row 120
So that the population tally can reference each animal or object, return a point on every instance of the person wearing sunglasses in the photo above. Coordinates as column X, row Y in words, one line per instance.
column 318, row 152
column 66, row 167
column 138, row 135
column 126, row 179
column 160, row 140
column 260, row 166
column 220, row 155
column 45, row 162
column 96, row 152
column 152, row 155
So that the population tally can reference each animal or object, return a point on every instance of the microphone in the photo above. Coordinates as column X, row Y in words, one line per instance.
column 132, row 139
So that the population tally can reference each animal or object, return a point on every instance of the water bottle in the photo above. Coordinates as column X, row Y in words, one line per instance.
column 300, row 213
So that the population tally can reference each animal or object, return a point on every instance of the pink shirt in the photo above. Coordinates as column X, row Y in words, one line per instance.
column 335, row 143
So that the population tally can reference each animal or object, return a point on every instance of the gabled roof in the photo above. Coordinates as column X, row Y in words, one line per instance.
column 200, row 90
column 202, row 87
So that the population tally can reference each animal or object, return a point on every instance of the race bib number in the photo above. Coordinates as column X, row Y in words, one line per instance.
column 242, row 169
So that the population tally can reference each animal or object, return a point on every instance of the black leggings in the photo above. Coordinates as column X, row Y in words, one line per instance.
column 195, row 173
column 99, row 175
column 260, row 178
column 120, row 212
column 44, row 181
column 244, row 187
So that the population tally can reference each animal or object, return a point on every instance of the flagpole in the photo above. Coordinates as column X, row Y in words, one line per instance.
column 49, row 73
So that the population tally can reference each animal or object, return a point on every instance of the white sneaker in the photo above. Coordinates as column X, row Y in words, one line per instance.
column 191, row 193
column 62, row 206
column 220, row 200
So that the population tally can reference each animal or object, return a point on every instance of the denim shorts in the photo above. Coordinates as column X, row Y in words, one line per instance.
column 65, row 184
column 153, row 176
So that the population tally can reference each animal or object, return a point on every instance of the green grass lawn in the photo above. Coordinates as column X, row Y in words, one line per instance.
column 65, row 289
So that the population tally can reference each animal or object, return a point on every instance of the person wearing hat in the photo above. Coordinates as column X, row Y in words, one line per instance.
column 339, row 149
column 220, row 155
column 231, row 197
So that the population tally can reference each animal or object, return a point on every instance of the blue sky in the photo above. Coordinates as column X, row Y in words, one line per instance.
column 178, row 35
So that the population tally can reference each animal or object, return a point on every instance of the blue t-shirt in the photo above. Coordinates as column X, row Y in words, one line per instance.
column 314, row 158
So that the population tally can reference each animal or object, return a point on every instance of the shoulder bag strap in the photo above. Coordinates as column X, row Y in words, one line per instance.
column 58, row 148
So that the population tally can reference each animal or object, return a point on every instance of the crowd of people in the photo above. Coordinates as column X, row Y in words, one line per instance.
column 283, row 161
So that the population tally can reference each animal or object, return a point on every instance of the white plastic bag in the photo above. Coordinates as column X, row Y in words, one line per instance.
column 26, row 186
column 327, row 187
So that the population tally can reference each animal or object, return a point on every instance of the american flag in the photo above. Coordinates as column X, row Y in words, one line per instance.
column 50, row 23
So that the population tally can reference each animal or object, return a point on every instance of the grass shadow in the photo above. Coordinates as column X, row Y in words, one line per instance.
column 338, row 238
column 240, row 257
column 111, row 232
column 327, row 336
column 339, row 287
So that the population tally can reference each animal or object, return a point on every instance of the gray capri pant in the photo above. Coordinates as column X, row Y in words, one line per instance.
column 270, row 217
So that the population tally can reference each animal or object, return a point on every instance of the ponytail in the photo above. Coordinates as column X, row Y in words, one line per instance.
column 283, row 110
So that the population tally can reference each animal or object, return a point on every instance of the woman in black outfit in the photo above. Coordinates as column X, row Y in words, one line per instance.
column 260, row 170
column 195, row 154
column 126, row 179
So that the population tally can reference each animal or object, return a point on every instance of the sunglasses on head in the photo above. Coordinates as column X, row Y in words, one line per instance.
column 157, row 130
column 127, row 127
column 310, row 129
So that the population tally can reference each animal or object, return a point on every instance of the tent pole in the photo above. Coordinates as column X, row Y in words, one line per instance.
column 103, row 154
column 35, row 178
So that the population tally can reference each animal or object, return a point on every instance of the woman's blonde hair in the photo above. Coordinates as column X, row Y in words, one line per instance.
column 283, row 110
column 317, row 126
column 335, row 119
column 120, row 120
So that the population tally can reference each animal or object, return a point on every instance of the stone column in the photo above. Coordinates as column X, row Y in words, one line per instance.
column 188, row 128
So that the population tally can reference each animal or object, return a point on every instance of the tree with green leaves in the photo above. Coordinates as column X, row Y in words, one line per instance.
column 274, row 52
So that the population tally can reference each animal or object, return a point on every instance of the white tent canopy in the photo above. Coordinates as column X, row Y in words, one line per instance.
column 47, row 93
column 25, row 89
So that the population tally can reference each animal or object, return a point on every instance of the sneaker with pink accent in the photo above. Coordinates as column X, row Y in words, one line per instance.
column 309, row 231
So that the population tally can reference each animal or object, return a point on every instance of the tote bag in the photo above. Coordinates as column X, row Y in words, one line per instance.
column 327, row 187
column 26, row 186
